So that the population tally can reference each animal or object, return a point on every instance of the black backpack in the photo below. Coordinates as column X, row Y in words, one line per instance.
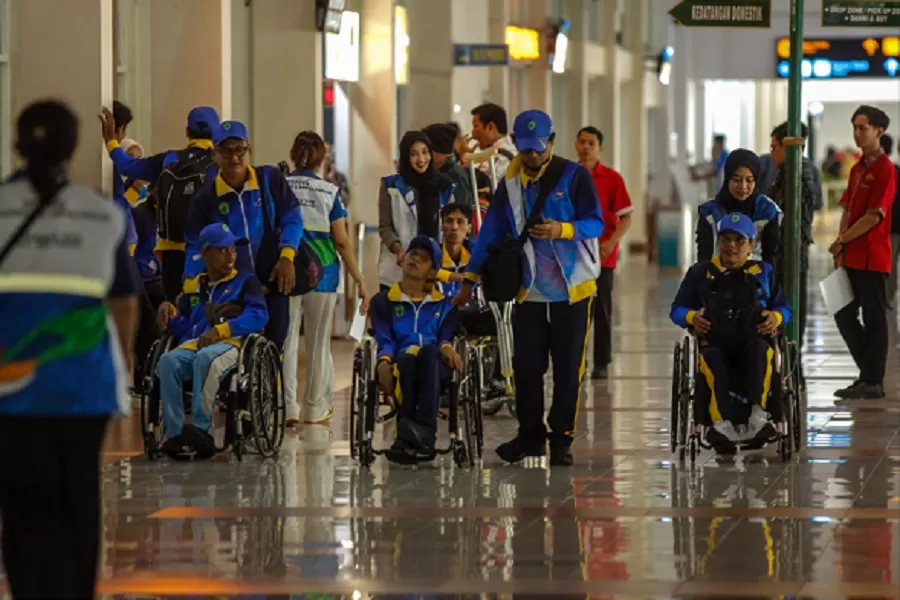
column 732, row 307
column 177, row 185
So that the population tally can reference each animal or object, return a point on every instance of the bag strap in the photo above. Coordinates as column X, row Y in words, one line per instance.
column 505, row 153
column 546, row 184
column 269, row 221
column 23, row 228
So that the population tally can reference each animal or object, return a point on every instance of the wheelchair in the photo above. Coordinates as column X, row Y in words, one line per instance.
column 368, row 408
column 250, row 395
column 690, row 419
column 488, row 330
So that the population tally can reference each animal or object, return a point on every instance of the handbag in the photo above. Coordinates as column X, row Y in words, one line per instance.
column 501, row 275
column 307, row 267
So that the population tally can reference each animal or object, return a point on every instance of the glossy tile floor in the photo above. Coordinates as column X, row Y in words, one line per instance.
column 626, row 521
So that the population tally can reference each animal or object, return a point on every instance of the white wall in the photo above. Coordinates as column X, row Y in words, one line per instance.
column 835, row 129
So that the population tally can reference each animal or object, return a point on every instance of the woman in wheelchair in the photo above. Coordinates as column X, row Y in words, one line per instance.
column 735, row 307
column 414, row 327
column 209, row 326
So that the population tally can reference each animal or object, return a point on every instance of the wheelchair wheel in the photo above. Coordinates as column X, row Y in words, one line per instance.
column 474, row 404
column 685, row 410
column 357, row 387
column 675, row 414
column 265, row 399
column 489, row 359
column 152, row 423
column 366, row 407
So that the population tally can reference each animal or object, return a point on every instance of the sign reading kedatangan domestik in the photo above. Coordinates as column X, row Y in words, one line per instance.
column 723, row 13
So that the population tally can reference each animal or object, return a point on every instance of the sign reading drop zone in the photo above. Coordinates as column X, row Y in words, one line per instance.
column 860, row 13
column 723, row 13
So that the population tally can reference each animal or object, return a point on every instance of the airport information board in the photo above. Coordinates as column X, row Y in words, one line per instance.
column 861, row 13
column 723, row 13
column 872, row 57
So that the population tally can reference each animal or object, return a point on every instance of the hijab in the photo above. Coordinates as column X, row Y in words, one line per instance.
column 737, row 159
column 428, row 185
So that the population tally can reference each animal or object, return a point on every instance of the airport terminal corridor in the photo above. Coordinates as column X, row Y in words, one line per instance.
column 626, row 521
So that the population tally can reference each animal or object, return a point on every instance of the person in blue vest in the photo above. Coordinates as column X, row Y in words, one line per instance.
column 409, row 204
column 456, row 223
column 68, row 296
column 740, row 194
column 243, row 197
column 560, row 265
column 326, row 232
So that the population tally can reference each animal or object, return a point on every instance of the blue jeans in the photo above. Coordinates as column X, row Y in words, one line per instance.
column 182, row 365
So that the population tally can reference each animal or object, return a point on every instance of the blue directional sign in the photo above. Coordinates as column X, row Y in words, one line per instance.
column 843, row 58
column 480, row 55
column 892, row 66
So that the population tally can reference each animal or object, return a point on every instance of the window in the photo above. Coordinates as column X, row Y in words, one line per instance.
column 5, row 117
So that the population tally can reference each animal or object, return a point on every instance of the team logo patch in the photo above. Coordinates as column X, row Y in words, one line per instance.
column 531, row 125
column 735, row 218
column 226, row 126
column 195, row 301
column 870, row 177
column 399, row 310
column 224, row 209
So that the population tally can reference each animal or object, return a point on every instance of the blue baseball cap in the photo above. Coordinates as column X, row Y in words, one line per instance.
column 203, row 119
column 532, row 130
column 737, row 222
column 230, row 130
column 218, row 235
column 432, row 247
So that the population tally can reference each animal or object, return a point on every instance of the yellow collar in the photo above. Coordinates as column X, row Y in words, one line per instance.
column 517, row 167
column 717, row 261
column 228, row 277
column 223, row 188
column 200, row 144
column 448, row 260
column 395, row 294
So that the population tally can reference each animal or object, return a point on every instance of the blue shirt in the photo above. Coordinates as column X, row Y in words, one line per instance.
column 322, row 242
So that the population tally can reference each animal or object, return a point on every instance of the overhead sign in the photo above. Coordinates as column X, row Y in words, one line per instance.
column 524, row 44
column 342, row 50
column 401, row 46
column 860, row 13
column 723, row 13
column 843, row 58
column 480, row 55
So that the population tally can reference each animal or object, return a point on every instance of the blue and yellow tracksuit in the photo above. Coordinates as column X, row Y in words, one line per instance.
column 559, row 280
column 451, row 266
column 410, row 333
column 242, row 294
column 755, row 357
column 761, row 209
column 244, row 214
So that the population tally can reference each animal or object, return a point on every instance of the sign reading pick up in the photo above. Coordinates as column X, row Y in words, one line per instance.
column 860, row 13
column 723, row 13
column 480, row 55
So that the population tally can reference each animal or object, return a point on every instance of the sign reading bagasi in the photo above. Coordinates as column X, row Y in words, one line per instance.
column 723, row 13
column 480, row 55
column 860, row 13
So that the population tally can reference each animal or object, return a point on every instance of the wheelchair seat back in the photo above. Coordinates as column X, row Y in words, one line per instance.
column 733, row 308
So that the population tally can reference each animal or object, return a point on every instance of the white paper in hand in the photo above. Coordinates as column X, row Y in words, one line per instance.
column 836, row 291
column 358, row 326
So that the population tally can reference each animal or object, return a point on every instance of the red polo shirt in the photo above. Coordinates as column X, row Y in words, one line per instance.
column 871, row 187
column 615, row 204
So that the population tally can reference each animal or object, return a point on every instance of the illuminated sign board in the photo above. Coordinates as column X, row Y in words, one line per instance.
column 843, row 58
column 480, row 55
column 342, row 50
column 524, row 44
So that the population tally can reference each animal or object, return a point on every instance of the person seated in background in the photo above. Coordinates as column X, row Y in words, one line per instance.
column 414, row 326
column 734, row 305
column 208, row 326
column 456, row 222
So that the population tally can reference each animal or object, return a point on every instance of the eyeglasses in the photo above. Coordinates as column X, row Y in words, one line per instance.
column 233, row 151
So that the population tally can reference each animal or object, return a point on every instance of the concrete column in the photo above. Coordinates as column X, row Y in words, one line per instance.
column 635, row 97
column 537, row 74
column 285, row 77
column 576, row 101
column 430, row 65
column 498, row 77
column 373, row 123
column 51, row 57
column 190, row 64
column 610, row 84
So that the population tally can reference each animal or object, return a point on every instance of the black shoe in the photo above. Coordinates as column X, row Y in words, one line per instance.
column 517, row 449
column 600, row 373
column 719, row 442
column 401, row 452
column 869, row 391
column 849, row 391
column 560, row 454
column 767, row 433
column 419, row 436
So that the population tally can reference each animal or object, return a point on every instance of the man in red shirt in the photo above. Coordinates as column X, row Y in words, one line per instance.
column 616, row 206
column 863, row 248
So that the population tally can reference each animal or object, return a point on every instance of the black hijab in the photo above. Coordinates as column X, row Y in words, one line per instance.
column 737, row 159
column 428, row 185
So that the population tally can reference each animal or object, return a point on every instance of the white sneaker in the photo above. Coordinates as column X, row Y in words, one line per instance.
column 728, row 430
column 759, row 418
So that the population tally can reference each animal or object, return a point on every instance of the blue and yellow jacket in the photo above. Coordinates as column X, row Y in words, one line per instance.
column 764, row 213
column 695, row 289
column 144, row 216
column 237, row 301
column 243, row 212
column 403, row 324
column 150, row 168
column 573, row 202
column 449, row 266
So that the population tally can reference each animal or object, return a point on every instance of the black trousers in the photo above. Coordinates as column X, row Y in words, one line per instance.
column 419, row 378
column 756, row 381
column 172, row 272
column 50, row 504
column 148, row 330
column 277, row 327
column 868, row 340
column 541, row 331
column 603, row 315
